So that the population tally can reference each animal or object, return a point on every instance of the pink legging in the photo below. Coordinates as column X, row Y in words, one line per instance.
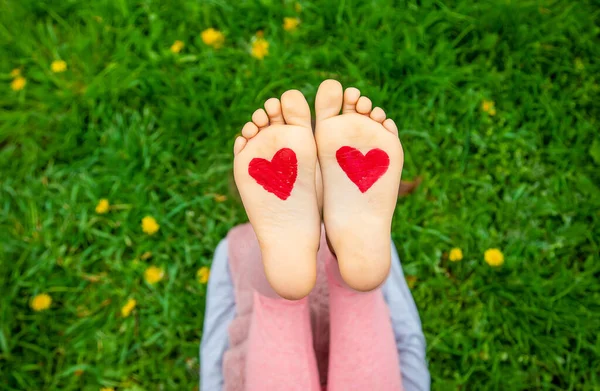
column 362, row 352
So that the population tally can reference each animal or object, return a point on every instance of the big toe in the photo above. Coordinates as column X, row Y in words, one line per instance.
column 328, row 103
column 295, row 108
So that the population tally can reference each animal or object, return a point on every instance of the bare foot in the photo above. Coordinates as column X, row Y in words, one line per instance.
column 361, row 162
column 274, row 168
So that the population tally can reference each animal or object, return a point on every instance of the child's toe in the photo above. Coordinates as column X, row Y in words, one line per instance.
column 364, row 105
column 378, row 114
column 249, row 130
column 295, row 109
column 351, row 96
column 273, row 109
column 328, row 102
column 260, row 118
column 239, row 144
column 390, row 125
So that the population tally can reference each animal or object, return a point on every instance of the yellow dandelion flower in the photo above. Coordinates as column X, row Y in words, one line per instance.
column 290, row 24
column 298, row 7
column 128, row 307
column 41, row 302
column 212, row 37
column 260, row 48
column 15, row 72
column 203, row 275
column 494, row 257
column 455, row 255
column 107, row 389
column 153, row 274
column 149, row 225
column 489, row 107
column 103, row 206
column 58, row 66
column 177, row 46
column 18, row 84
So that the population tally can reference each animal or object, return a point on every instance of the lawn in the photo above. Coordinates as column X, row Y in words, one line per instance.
column 497, row 103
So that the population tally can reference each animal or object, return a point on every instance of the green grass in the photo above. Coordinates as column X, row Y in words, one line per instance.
column 152, row 132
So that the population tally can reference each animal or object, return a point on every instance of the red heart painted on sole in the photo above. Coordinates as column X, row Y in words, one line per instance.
column 278, row 175
column 363, row 170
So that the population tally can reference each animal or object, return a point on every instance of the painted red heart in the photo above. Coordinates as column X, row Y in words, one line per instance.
column 363, row 170
column 278, row 175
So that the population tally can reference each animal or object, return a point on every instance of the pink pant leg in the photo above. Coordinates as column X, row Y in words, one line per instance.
column 362, row 351
column 280, row 347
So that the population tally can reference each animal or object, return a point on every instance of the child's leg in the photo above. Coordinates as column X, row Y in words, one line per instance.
column 361, row 160
column 274, row 167
column 280, row 347
column 362, row 351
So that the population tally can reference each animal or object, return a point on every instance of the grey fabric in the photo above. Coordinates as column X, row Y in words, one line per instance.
column 220, row 311
column 406, row 323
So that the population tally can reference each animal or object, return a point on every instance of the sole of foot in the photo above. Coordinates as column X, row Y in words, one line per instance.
column 361, row 161
column 275, row 163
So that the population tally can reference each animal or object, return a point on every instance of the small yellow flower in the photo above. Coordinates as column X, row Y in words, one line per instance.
column 128, row 307
column 493, row 257
column 18, row 84
column 203, row 275
column 41, row 302
column 107, row 389
column 177, row 46
column 455, row 255
column 489, row 107
column 103, row 206
column 290, row 24
column 260, row 48
column 149, row 225
column 58, row 66
column 298, row 7
column 212, row 37
column 15, row 72
column 153, row 274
